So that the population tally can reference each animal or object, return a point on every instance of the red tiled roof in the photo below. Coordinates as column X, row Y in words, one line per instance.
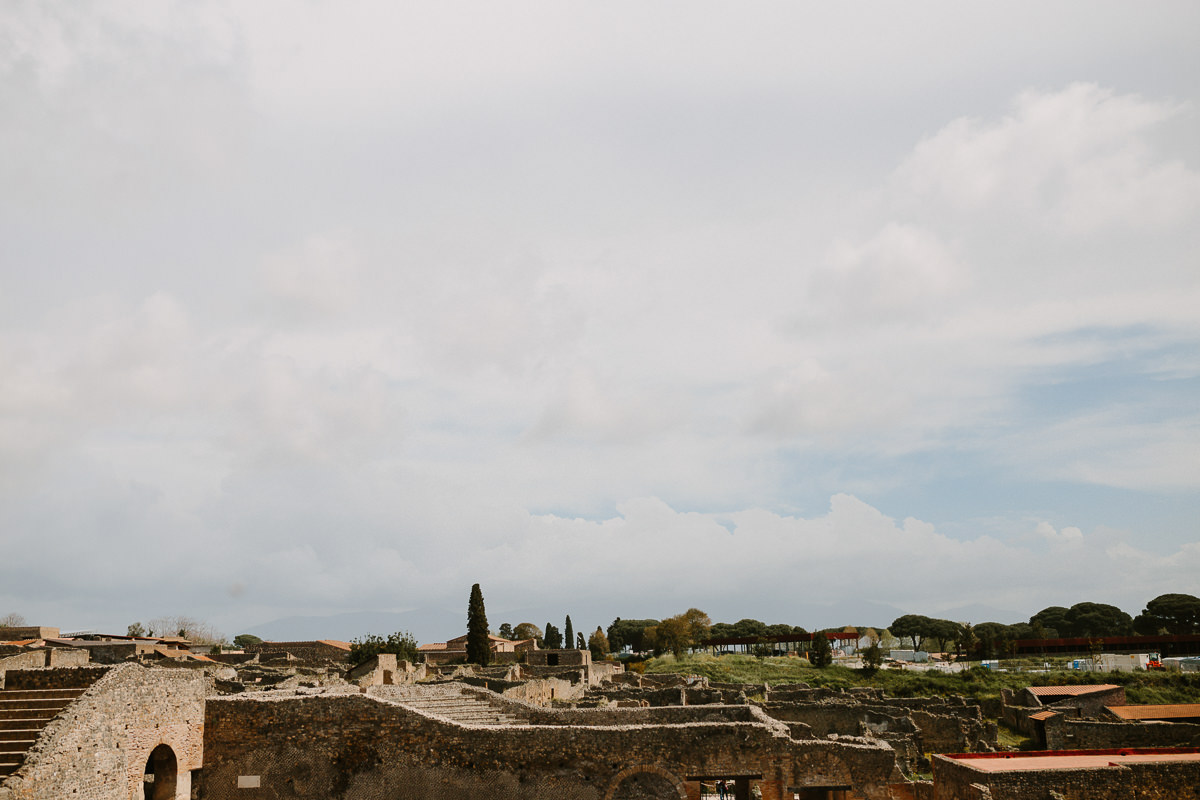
column 1161, row 711
column 1071, row 691
column 1044, row 714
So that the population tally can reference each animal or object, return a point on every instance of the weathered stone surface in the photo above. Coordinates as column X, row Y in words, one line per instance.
column 99, row 747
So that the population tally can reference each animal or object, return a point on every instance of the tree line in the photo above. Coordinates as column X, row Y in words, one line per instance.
column 1167, row 614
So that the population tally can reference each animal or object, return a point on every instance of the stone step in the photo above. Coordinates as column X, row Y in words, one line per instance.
column 23, row 724
column 16, row 745
column 40, row 694
column 34, row 703
column 28, row 713
column 19, row 735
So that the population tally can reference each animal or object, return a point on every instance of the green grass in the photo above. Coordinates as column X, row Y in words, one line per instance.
column 982, row 684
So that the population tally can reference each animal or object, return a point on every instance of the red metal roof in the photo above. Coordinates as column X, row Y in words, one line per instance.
column 1071, row 759
column 1161, row 711
column 1071, row 691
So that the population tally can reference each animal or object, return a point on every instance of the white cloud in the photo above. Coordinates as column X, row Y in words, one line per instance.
column 442, row 282
column 1076, row 160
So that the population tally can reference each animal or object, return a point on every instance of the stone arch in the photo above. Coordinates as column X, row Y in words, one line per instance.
column 161, row 775
column 645, row 781
column 826, row 770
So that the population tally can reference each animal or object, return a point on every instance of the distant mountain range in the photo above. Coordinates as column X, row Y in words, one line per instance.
column 426, row 625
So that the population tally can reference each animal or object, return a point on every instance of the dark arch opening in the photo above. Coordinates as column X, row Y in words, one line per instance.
column 162, row 771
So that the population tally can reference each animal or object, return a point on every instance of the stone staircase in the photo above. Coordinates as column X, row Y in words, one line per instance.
column 23, row 715
column 460, row 705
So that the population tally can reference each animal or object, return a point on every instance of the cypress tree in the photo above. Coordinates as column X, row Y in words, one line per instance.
column 478, row 645
column 568, row 634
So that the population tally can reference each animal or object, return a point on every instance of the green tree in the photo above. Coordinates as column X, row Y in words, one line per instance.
column 629, row 633
column 915, row 627
column 401, row 644
column 527, row 630
column 674, row 634
column 992, row 638
column 136, row 629
column 506, row 631
column 1098, row 619
column 1177, row 614
column 822, row 653
column 1053, row 621
column 569, row 633
column 479, row 650
column 698, row 626
column 944, row 631
column 872, row 657
column 553, row 638
column 244, row 640
column 749, row 627
column 966, row 640
column 598, row 644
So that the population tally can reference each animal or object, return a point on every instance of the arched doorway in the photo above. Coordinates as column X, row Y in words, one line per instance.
column 161, row 773
column 646, row 782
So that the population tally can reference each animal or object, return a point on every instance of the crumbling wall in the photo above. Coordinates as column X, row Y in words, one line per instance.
column 1080, row 734
column 44, row 657
column 543, row 691
column 1138, row 781
column 56, row 678
column 99, row 746
column 358, row 746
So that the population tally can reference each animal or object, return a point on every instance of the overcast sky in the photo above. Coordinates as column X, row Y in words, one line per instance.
column 618, row 308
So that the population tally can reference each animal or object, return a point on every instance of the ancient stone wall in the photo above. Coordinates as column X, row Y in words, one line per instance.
column 357, row 746
column 43, row 657
column 1081, row 734
column 9, row 633
column 543, row 691
column 314, row 652
column 57, row 678
column 1144, row 781
column 100, row 745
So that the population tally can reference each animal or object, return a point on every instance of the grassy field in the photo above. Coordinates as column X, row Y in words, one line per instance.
column 980, row 683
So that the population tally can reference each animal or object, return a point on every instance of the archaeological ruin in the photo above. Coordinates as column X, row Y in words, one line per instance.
column 296, row 722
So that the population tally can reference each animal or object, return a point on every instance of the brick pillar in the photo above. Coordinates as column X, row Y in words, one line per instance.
column 773, row 790
column 693, row 789
column 741, row 789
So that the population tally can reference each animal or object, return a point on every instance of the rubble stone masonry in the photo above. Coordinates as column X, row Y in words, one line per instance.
column 283, row 745
column 98, row 748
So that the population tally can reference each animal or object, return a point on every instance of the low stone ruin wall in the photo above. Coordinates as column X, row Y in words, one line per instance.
column 54, row 678
column 356, row 746
column 1143, row 781
column 1084, row 734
